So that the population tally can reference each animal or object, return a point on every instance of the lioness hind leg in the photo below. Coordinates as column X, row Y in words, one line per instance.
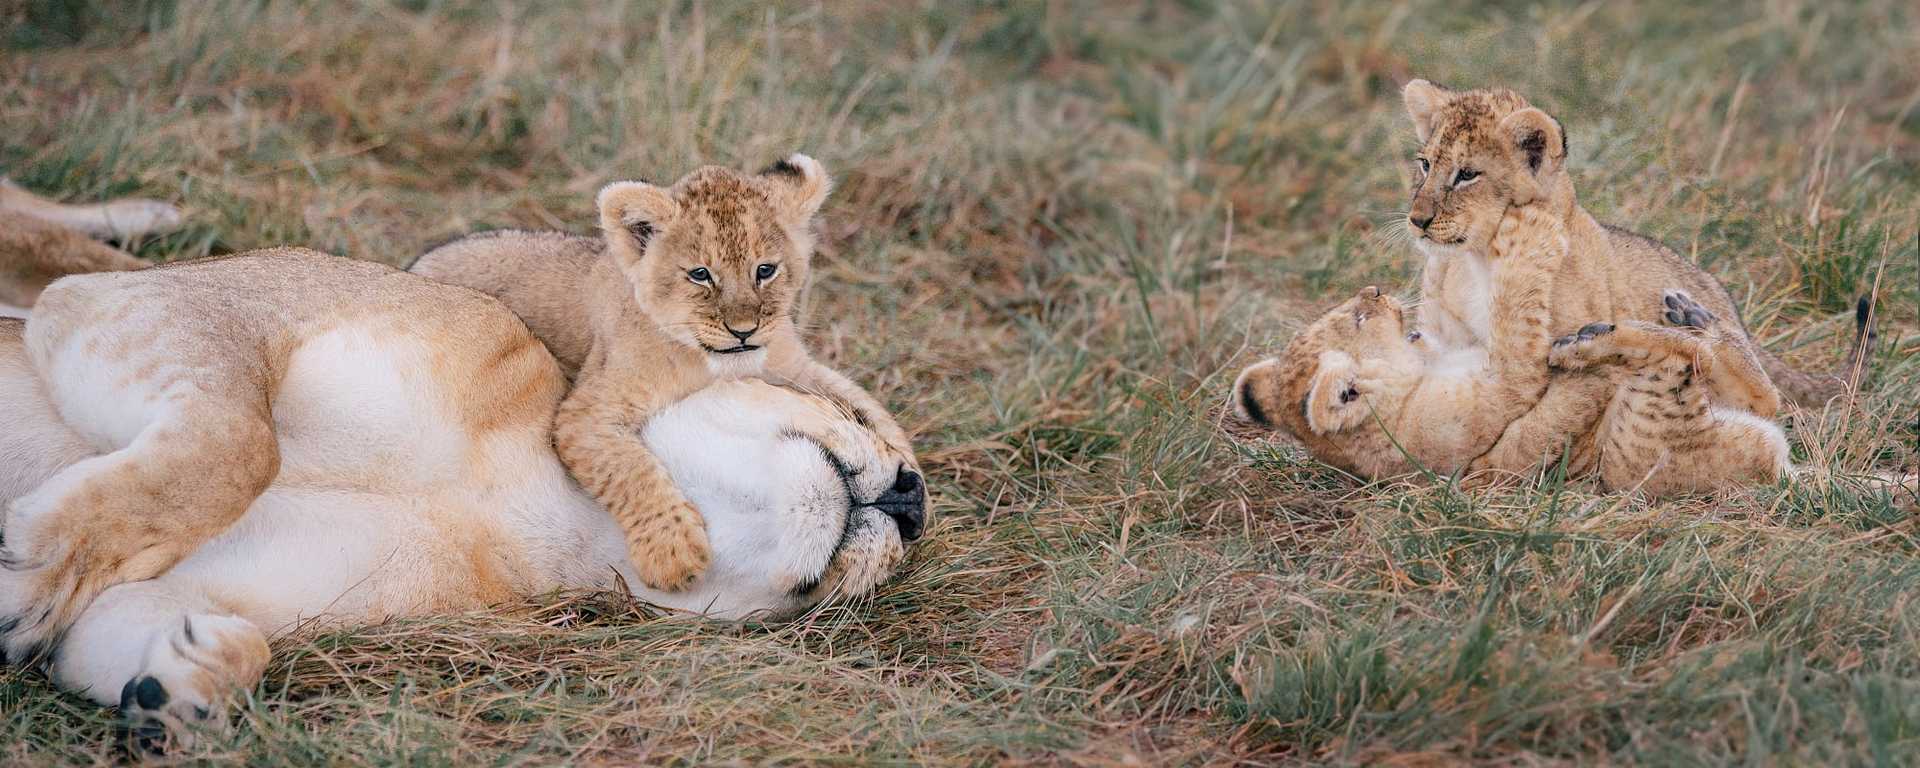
column 191, row 445
column 1735, row 378
column 169, row 660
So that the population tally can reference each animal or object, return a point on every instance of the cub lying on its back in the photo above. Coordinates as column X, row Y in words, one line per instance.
column 1357, row 388
column 692, row 284
column 1485, row 151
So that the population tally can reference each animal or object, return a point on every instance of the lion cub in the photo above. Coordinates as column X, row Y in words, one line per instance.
column 1484, row 152
column 688, row 285
column 1366, row 395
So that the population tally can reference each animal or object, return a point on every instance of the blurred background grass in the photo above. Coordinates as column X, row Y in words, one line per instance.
column 1060, row 229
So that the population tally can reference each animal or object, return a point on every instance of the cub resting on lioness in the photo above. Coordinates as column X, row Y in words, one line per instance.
column 1364, row 394
column 1486, row 151
column 198, row 456
column 691, row 284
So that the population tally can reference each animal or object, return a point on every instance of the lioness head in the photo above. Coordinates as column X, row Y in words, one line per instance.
column 1308, row 391
column 1481, row 151
column 802, row 502
column 719, row 258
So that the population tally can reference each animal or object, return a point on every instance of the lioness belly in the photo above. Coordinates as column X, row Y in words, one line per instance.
column 390, row 500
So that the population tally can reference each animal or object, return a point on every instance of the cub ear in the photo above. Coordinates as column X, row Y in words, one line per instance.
column 1333, row 402
column 799, row 185
column 1537, row 144
column 1424, row 101
column 632, row 214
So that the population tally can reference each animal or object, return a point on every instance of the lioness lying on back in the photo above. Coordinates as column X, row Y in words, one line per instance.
column 199, row 456
column 691, row 284
column 1484, row 152
column 1366, row 395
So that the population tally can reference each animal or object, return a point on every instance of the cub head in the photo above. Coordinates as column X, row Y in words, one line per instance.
column 1310, row 390
column 1480, row 152
column 719, row 258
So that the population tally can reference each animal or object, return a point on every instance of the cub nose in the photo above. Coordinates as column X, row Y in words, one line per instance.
column 906, row 503
column 742, row 335
column 1420, row 221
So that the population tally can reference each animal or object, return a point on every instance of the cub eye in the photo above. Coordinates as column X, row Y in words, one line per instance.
column 1425, row 167
column 700, row 275
column 1465, row 175
column 765, row 272
column 1414, row 336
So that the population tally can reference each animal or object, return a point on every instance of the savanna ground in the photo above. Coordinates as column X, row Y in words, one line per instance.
column 1060, row 230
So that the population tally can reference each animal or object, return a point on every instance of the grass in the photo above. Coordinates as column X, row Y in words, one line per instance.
column 1060, row 230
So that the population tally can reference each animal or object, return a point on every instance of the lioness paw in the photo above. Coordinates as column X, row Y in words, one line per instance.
column 188, row 677
column 672, row 550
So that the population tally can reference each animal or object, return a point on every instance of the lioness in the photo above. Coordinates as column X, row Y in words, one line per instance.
column 204, row 454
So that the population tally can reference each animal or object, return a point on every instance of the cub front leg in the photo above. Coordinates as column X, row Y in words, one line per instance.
column 597, row 435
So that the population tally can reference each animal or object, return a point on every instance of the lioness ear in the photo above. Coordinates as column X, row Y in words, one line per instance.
column 1424, row 101
column 1333, row 403
column 632, row 213
column 799, row 186
column 1538, row 144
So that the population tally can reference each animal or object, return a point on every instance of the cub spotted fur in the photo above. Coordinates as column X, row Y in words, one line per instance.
column 691, row 284
column 1485, row 151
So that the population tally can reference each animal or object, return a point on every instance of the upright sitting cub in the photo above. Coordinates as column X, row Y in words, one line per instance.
column 1485, row 151
column 691, row 284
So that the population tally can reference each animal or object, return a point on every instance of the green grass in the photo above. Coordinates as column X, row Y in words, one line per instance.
column 1059, row 231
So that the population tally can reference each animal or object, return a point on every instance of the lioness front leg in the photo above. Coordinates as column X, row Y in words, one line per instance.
column 596, row 434
column 170, row 660
column 190, row 445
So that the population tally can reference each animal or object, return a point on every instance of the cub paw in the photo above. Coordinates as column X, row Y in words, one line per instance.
column 190, row 675
column 1683, row 312
column 1586, row 347
column 669, row 554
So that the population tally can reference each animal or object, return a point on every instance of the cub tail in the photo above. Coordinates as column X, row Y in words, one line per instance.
column 1816, row 389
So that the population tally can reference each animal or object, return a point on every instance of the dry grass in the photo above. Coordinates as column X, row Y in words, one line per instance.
column 1060, row 230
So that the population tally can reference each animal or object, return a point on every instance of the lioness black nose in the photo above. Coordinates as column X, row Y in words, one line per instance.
column 1419, row 221
column 742, row 335
column 906, row 503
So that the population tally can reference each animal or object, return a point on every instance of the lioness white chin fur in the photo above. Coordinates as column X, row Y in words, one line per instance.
column 415, row 474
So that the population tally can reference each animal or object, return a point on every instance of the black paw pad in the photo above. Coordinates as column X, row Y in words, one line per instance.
column 146, row 692
column 1591, row 330
column 1682, row 311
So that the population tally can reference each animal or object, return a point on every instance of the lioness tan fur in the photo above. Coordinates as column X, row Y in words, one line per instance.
column 1484, row 151
column 688, row 285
